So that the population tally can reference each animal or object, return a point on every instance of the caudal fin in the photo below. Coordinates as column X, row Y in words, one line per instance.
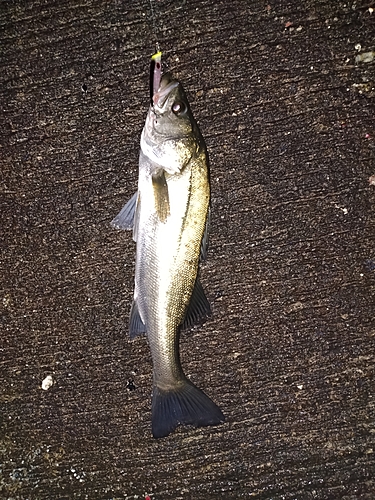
column 186, row 405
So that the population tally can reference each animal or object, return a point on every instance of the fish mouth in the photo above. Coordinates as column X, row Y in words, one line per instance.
column 167, row 84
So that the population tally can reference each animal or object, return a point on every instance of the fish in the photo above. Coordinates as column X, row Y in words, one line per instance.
column 169, row 216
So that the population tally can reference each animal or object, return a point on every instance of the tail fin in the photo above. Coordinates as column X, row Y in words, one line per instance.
column 186, row 405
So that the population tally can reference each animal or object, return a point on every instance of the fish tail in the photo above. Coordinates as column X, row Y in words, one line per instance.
column 185, row 405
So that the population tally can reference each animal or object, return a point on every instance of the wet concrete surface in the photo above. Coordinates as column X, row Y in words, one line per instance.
column 288, row 354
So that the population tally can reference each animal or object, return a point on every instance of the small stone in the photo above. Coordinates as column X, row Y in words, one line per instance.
column 47, row 383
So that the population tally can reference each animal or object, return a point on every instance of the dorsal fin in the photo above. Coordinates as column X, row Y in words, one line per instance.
column 198, row 307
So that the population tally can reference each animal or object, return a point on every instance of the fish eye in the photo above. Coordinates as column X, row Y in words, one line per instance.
column 178, row 107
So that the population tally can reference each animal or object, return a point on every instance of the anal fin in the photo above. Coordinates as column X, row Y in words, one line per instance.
column 136, row 325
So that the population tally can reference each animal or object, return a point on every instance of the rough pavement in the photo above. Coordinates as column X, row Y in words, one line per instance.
column 288, row 116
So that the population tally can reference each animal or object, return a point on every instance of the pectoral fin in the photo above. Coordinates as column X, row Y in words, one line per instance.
column 161, row 195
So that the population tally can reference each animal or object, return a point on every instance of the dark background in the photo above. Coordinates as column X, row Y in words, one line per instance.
column 288, row 354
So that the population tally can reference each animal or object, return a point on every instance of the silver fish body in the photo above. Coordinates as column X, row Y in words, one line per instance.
column 169, row 217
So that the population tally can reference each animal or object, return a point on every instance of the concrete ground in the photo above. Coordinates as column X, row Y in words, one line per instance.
column 284, row 95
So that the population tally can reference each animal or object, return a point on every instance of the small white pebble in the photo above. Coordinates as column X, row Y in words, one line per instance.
column 47, row 383
column 358, row 46
column 365, row 57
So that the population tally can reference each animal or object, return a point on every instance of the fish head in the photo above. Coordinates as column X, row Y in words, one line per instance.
column 171, row 109
column 170, row 136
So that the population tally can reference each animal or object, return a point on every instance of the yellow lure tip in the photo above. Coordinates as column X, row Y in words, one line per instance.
column 156, row 56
